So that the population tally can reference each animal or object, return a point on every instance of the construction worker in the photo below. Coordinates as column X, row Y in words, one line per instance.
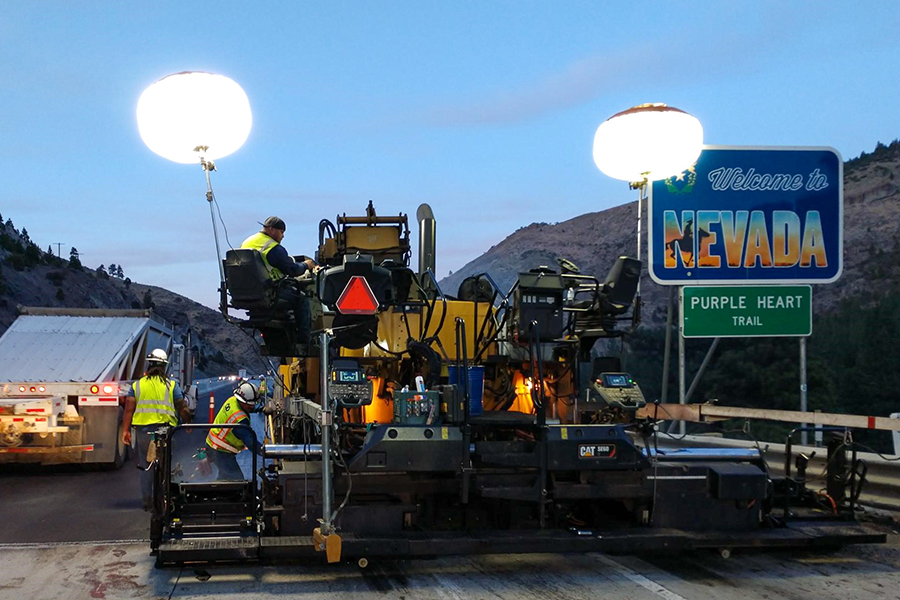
column 280, row 265
column 226, row 443
column 153, row 402
column 277, row 260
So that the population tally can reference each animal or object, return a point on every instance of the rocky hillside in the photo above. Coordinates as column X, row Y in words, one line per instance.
column 593, row 241
column 30, row 276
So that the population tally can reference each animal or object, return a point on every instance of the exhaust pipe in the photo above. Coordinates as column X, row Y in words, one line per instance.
column 425, row 217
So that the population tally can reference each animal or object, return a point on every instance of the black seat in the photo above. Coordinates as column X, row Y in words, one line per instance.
column 270, row 305
column 247, row 280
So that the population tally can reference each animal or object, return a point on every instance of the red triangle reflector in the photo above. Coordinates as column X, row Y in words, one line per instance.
column 357, row 298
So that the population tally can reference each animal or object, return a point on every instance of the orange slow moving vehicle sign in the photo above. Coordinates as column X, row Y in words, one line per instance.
column 357, row 298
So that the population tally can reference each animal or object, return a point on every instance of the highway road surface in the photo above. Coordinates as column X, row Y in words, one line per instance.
column 124, row 570
column 68, row 504
column 82, row 535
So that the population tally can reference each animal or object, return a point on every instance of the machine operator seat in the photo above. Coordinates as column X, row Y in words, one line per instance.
column 247, row 280
column 269, row 310
column 615, row 298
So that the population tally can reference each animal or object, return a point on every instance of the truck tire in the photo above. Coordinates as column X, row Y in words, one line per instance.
column 121, row 450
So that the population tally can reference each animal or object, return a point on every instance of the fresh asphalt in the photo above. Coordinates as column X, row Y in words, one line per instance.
column 71, row 533
column 73, row 503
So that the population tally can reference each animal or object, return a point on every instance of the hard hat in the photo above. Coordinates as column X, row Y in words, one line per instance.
column 158, row 356
column 246, row 393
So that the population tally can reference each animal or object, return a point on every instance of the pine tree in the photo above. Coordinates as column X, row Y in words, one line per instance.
column 147, row 301
column 74, row 260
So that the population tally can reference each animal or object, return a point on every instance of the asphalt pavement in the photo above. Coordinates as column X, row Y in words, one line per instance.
column 126, row 571
column 71, row 503
column 69, row 533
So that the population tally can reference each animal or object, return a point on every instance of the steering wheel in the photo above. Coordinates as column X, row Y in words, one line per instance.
column 567, row 265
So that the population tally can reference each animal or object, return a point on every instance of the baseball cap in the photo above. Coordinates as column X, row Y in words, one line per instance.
column 274, row 223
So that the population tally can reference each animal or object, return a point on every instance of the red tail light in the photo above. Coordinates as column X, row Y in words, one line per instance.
column 109, row 389
column 95, row 389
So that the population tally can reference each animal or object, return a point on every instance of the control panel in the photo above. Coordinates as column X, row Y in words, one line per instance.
column 350, row 387
column 618, row 390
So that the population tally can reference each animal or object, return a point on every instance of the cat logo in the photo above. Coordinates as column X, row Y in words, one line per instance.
column 588, row 451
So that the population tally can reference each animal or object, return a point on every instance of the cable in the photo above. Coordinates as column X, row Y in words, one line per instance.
column 343, row 463
column 383, row 349
column 225, row 229
column 873, row 451
column 265, row 360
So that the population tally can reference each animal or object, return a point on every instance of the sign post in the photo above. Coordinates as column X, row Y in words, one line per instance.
column 748, row 216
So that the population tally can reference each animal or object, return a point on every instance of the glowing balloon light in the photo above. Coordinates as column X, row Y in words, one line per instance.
column 647, row 142
column 183, row 112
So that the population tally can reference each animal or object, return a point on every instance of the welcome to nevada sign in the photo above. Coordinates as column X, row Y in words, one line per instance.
column 749, row 215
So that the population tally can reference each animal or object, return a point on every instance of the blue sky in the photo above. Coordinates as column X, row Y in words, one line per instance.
column 485, row 110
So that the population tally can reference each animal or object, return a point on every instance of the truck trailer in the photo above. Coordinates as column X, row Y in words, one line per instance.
column 63, row 373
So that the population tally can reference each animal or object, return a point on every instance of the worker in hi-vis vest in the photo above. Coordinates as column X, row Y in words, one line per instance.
column 154, row 401
column 226, row 443
column 280, row 265
column 277, row 260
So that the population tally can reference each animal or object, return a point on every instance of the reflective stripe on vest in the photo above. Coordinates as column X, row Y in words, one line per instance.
column 154, row 402
column 222, row 438
column 263, row 244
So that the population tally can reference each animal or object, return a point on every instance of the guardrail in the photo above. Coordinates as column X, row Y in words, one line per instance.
column 881, row 489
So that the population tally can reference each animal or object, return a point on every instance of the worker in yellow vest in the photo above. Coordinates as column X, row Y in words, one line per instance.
column 226, row 443
column 280, row 265
column 154, row 401
column 277, row 260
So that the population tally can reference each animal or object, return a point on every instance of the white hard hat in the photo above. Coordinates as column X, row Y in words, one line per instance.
column 158, row 355
column 246, row 393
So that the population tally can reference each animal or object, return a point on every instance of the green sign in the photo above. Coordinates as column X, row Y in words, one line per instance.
column 746, row 311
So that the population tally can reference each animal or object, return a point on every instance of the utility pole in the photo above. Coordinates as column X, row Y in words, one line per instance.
column 59, row 249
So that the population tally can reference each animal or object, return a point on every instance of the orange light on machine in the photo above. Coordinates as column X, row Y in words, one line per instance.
column 22, row 388
column 42, row 389
column 109, row 389
column 357, row 298
column 523, row 386
column 95, row 389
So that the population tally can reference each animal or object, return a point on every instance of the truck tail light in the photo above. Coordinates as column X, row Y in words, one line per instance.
column 95, row 389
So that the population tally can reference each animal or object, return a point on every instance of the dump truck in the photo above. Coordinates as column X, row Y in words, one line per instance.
column 63, row 375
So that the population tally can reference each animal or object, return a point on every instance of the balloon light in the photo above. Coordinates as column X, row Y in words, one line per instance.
column 647, row 142
column 194, row 116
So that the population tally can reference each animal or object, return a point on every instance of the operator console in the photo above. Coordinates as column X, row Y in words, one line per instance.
column 618, row 390
column 349, row 386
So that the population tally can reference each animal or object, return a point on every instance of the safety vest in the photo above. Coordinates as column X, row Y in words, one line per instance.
column 221, row 438
column 155, row 402
column 264, row 244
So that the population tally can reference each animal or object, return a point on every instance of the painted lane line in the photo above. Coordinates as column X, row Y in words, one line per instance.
column 647, row 584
